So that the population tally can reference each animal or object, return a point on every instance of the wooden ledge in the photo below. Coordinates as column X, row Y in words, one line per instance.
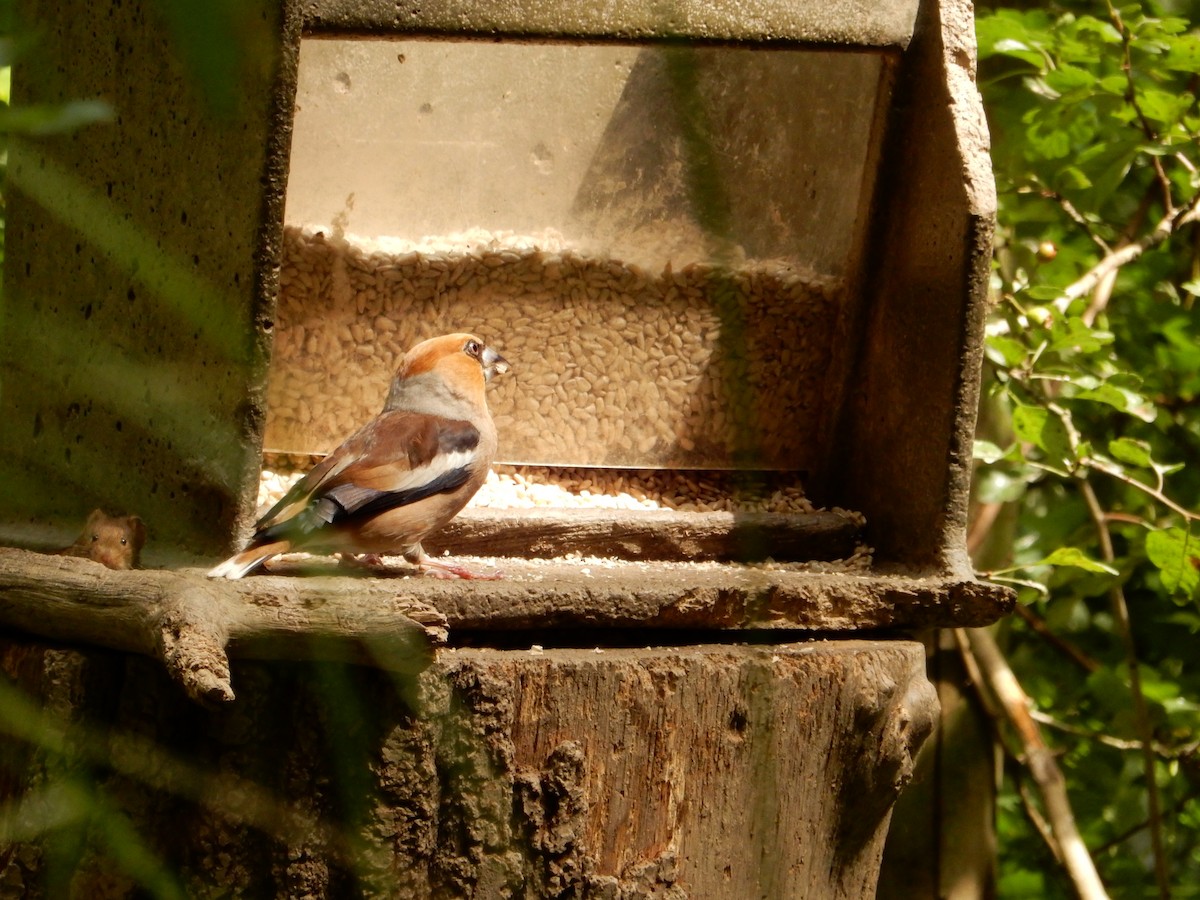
column 661, row 534
column 313, row 608
column 583, row 592
column 191, row 621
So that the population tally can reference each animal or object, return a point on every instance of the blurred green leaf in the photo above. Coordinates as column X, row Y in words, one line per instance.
column 987, row 452
column 41, row 120
column 1045, row 430
column 1006, row 351
column 1184, row 54
column 1131, row 452
column 1176, row 553
column 1122, row 399
column 1074, row 557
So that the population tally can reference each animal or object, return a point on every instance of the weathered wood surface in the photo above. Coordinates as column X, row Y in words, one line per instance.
column 189, row 621
column 582, row 592
column 704, row 771
column 661, row 534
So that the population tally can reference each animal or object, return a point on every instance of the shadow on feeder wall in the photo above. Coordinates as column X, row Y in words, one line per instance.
column 100, row 398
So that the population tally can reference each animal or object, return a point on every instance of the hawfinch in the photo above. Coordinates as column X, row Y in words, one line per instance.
column 401, row 476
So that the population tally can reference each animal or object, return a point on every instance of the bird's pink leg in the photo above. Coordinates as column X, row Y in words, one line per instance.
column 439, row 568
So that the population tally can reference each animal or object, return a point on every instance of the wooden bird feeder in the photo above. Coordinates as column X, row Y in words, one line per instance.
column 737, row 255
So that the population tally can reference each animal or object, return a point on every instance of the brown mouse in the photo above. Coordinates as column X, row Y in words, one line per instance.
column 113, row 541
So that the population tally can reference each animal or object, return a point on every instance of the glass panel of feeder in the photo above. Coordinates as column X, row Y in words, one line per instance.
column 662, row 241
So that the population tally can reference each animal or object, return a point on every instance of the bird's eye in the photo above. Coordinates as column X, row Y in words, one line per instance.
column 473, row 348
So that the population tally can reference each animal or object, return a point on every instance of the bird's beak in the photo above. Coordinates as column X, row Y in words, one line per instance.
column 493, row 364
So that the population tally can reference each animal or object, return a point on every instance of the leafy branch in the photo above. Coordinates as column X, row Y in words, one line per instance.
column 1091, row 353
column 1007, row 696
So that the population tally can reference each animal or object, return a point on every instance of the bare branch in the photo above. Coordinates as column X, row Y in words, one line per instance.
column 1148, row 131
column 1078, row 218
column 985, row 517
column 1113, row 261
column 1112, row 471
column 1039, row 821
column 1141, row 713
column 1070, row 651
column 1040, row 761
column 1166, row 226
column 1116, row 743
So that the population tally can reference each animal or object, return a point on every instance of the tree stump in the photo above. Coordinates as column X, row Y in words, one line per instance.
column 700, row 771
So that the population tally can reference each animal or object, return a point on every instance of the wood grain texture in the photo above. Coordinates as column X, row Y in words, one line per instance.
column 702, row 771
column 189, row 621
column 660, row 534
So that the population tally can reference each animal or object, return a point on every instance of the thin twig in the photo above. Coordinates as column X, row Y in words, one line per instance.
column 1140, row 711
column 985, row 517
column 1142, row 826
column 1067, row 649
column 1131, row 97
column 1160, row 750
column 1040, row 761
column 1112, row 471
column 1111, row 262
column 1104, row 287
column 1040, row 825
column 1165, row 227
column 1077, row 217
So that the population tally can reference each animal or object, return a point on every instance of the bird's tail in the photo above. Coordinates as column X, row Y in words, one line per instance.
column 241, row 563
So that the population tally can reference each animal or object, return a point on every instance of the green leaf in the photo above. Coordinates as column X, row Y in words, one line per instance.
column 1049, row 140
column 1184, row 55
column 1189, row 620
column 1045, row 430
column 993, row 485
column 1175, row 553
column 1079, row 338
column 1044, row 292
column 1072, row 178
column 1131, row 452
column 1114, row 84
column 1006, row 351
column 1076, row 558
column 1123, row 399
column 1163, row 107
column 1068, row 78
column 987, row 452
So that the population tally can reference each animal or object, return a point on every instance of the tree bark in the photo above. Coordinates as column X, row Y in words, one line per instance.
column 706, row 771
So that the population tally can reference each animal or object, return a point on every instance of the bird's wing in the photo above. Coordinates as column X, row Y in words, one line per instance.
column 397, row 459
column 297, row 497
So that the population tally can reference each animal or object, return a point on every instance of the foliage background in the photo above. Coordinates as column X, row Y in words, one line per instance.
column 1085, row 488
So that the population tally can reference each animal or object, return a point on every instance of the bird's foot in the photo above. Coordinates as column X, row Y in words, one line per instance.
column 360, row 560
column 439, row 568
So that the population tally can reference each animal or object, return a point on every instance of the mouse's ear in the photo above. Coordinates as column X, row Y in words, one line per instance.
column 138, row 529
column 95, row 517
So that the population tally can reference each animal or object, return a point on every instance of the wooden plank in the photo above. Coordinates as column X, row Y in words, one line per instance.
column 886, row 24
column 660, row 534
column 312, row 607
